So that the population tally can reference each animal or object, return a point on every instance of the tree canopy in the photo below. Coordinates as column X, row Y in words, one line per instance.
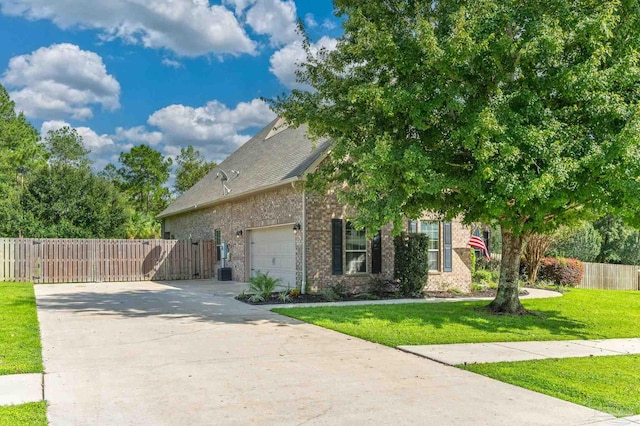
column 143, row 173
column 192, row 166
column 20, row 154
column 519, row 114
column 64, row 147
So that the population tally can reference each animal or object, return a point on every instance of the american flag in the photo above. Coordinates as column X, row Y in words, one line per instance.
column 477, row 242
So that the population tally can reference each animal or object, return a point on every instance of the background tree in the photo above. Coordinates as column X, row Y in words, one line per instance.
column 143, row 173
column 518, row 114
column 20, row 154
column 192, row 166
column 110, row 174
column 65, row 199
column 535, row 249
column 582, row 243
column 65, row 148
column 69, row 202
column 620, row 243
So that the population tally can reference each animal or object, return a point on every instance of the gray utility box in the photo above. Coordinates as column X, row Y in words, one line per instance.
column 224, row 274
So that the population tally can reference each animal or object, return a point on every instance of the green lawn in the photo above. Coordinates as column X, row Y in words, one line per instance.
column 34, row 413
column 579, row 314
column 20, row 350
column 610, row 384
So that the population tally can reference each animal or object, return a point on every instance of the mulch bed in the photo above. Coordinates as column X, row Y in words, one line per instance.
column 313, row 298
column 319, row 298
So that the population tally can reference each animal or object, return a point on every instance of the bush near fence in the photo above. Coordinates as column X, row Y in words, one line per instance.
column 561, row 271
column 604, row 276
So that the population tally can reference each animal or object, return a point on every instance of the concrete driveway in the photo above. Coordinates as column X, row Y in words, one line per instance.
column 187, row 353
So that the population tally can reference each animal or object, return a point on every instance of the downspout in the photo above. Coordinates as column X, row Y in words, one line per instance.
column 304, row 242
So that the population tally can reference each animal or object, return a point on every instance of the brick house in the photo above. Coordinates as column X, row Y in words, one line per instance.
column 254, row 201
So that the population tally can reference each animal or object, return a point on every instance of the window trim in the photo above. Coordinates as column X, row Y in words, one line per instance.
column 347, row 228
column 439, row 251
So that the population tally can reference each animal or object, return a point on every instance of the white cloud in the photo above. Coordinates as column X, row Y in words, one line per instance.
column 214, row 128
column 59, row 81
column 138, row 135
column 328, row 24
column 187, row 27
column 310, row 21
column 171, row 63
column 287, row 60
column 90, row 139
column 274, row 18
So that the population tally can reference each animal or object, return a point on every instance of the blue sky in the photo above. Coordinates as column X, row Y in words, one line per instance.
column 168, row 73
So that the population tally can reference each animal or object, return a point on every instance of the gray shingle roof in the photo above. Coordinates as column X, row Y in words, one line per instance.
column 262, row 163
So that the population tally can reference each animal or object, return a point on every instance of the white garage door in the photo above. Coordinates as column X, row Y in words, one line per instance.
column 273, row 250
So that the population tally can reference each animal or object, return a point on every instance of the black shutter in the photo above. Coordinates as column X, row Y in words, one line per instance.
column 336, row 246
column 218, row 239
column 447, row 246
column 376, row 253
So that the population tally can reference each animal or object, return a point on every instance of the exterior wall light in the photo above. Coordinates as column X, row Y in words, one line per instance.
column 239, row 233
column 296, row 228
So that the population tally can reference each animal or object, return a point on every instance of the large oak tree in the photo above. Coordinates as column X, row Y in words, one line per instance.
column 518, row 113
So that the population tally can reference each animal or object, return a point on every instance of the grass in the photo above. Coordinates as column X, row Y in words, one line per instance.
column 610, row 384
column 20, row 350
column 34, row 413
column 578, row 314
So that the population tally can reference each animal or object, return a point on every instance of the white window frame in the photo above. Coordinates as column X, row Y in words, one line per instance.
column 431, row 250
column 348, row 269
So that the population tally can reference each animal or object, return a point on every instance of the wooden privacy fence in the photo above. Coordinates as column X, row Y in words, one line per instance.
column 83, row 260
column 610, row 277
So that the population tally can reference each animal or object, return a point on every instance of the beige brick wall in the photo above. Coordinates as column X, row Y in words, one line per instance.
column 283, row 206
column 320, row 211
column 280, row 206
column 460, row 275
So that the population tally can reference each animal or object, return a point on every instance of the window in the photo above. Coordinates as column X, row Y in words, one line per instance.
column 432, row 229
column 355, row 250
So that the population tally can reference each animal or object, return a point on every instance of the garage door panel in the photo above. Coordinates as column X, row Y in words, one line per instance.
column 273, row 251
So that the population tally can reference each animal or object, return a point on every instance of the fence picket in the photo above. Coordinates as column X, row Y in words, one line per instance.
column 610, row 276
column 83, row 260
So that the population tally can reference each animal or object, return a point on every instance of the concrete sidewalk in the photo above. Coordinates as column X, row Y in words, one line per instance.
column 534, row 293
column 472, row 353
column 21, row 388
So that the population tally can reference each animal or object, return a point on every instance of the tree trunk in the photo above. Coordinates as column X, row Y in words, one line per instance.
column 507, row 300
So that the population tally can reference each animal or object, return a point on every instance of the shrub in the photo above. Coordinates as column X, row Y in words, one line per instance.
column 341, row 290
column 380, row 287
column 411, row 262
column 295, row 292
column 284, row 296
column 262, row 285
column 482, row 275
column 329, row 294
column 562, row 271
